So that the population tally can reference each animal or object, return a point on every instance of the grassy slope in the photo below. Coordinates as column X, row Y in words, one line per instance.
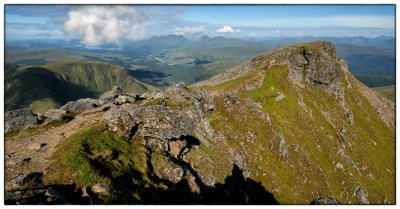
column 311, row 170
column 53, row 85
column 311, row 137
column 387, row 91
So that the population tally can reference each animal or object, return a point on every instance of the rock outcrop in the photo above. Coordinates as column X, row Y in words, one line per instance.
column 80, row 105
column 21, row 118
column 53, row 115
column 322, row 200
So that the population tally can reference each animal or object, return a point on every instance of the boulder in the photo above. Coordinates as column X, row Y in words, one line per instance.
column 80, row 105
column 126, row 98
column 34, row 146
column 339, row 166
column 361, row 195
column 279, row 97
column 101, row 189
column 111, row 95
column 21, row 118
column 53, row 115
column 322, row 200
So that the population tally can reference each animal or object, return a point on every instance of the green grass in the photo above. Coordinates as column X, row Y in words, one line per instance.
column 229, row 85
column 311, row 170
column 74, row 159
column 388, row 92
column 41, row 106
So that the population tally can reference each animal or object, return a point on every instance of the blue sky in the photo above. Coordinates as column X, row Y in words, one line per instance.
column 96, row 25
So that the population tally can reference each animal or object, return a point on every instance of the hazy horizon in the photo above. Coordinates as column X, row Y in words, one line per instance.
column 97, row 25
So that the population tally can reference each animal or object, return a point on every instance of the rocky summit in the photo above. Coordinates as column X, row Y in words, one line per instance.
column 292, row 126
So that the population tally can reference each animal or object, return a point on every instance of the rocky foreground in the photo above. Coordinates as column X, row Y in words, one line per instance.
column 291, row 127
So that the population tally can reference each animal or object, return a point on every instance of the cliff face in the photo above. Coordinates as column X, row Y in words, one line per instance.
column 288, row 127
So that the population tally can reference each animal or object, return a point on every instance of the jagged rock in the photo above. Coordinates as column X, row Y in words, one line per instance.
column 192, row 184
column 157, row 121
column 111, row 95
column 101, row 189
column 53, row 115
column 152, row 95
column 80, row 105
column 341, row 134
column 163, row 122
column 283, row 150
column 122, row 99
column 31, row 180
column 176, row 146
column 279, row 97
column 21, row 118
column 322, row 200
column 124, row 118
column 165, row 169
column 361, row 195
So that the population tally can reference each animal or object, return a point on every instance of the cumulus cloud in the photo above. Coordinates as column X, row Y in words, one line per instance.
column 227, row 29
column 189, row 30
column 97, row 25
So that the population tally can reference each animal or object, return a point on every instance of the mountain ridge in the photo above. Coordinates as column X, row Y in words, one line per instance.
column 293, row 124
column 43, row 85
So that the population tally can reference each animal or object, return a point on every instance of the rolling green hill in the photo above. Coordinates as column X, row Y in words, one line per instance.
column 53, row 85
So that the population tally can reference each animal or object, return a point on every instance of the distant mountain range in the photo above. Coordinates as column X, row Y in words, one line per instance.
column 167, row 58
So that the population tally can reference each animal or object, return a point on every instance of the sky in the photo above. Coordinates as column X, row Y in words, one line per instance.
column 96, row 25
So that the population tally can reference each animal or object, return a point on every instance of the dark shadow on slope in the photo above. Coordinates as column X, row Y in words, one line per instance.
column 38, row 83
column 131, row 188
column 236, row 190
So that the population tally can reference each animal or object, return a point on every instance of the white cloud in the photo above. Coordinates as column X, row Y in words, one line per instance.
column 97, row 25
column 227, row 29
column 189, row 30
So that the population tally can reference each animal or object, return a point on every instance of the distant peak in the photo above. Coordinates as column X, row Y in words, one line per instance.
column 204, row 37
